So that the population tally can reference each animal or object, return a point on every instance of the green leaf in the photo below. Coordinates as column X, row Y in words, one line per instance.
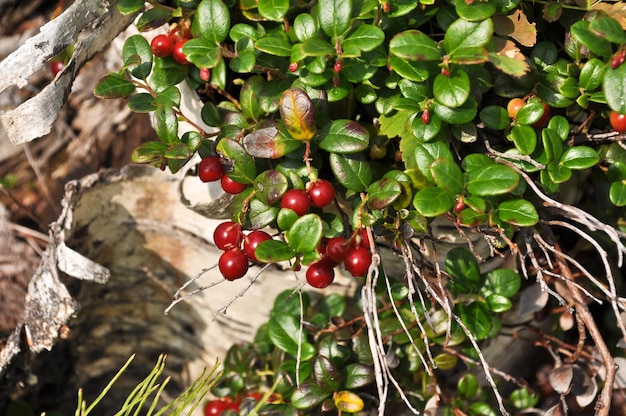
column 414, row 45
column 411, row 70
column 523, row 398
column 305, row 27
column 153, row 18
column 270, row 186
column 558, row 173
column 244, row 168
column 469, row 56
column 581, row 33
column 274, row 45
column 149, row 152
column 365, row 38
column 617, row 193
column 579, row 157
column 169, row 97
column 477, row 318
column 352, row 171
column 552, row 144
column 492, row 180
column 213, row 20
column 166, row 125
column 192, row 139
column 426, row 132
column 452, row 91
column 463, row 267
column 308, row 395
column 284, row 330
column 475, row 161
column 334, row 16
column 530, row 113
column 425, row 154
column 259, row 214
column 298, row 113
column 466, row 34
column 273, row 9
column 270, row 142
column 475, row 11
column 510, row 66
column 249, row 97
column 495, row 117
column 315, row 47
column 305, row 234
column 113, row 85
column 242, row 30
column 498, row 303
column 202, row 52
column 383, row 193
column 433, row 201
column 525, row 139
column 141, row 103
column 358, row 375
column 614, row 86
column 459, row 115
column 467, row 386
column 130, row 6
column 505, row 282
column 178, row 151
column 445, row 361
column 344, row 136
column 274, row 251
column 326, row 375
column 137, row 46
column 166, row 72
column 447, row 175
column 518, row 212
column 609, row 29
column 560, row 125
column 210, row 115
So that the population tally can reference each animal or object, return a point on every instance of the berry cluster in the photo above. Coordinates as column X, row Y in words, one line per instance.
column 238, row 248
column 171, row 44
column 217, row 407
column 210, row 170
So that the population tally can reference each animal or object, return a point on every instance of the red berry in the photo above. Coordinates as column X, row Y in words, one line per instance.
column 321, row 193
column 337, row 248
column 361, row 239
column 618, row 121
column 293, row 67
column 227, row 235
column 56, row 67
column 251, row 242
column 426, row 116
column 320, row 274
column 217, row 407
column 178, row 54
column 618, row 59
column 358, row 261
column 545, row 117
column 230, row 186
column 338, row 66
column 445, row 72
column 514, row 106
column 297, row 200
column 205, row 74
column 210, row 169
column 459, row 205
column 162, row 46
column 233, row 264
column 386, row 7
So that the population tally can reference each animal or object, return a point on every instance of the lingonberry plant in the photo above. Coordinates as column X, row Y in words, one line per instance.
column 364, row 130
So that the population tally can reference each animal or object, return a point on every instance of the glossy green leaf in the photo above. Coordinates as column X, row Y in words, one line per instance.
column 334, row 16
column 523, row 398
column 213, row 20
column 274, row 45
column 298, row 113
column 259, row 215
column 505, row 282
column 466, row 34
column 498, row 303
column 414, row 45
column 467, row 386
column 244, row 168
column 426, row 153
column 558, row 173
column 365, row 38
column 304, row 26
column 283, row 330
column 617, row 193
column 274, row 251
column 475, row 11
column 560, row 125
column 270, row 186
column 192, row 139
column 286, row 217
column 447, row 175
column 130, row 6
column 445, row 361
column 459, row 115
column 358, row 375
column 426, row 131
column 141, row 103
column 383, row 193
column 411, row 70
column 344, row 136
column 476, row 317
column 552, row 144
column 525, row 138
column 492, row 180
column 452, row 91
column 509, row 66
column 614, row 86
column 326, row 375
column 581, row 33
column 248, row 98
column 166, row 125
column 518, row 212
column 153, row 18
column 178, row 151
column 469, row 56
column 273, row 9
column 202, row 52
column 433, row 201
column 352, row 171
column 495, row 117
column 210, row 115
column 308, row 395
column 149, row 152
column 608, row 28
column 135, row 47
column 305, row 234
column 242, row 30
column 579, row 157
column 530, row 113
column 113, row 85
column 463, row 267
column 165, row 73
column 169, row 97
column 315, row 47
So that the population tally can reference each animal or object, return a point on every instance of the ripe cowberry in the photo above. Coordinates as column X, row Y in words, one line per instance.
column 227, row 235
column 338, row 66
column 361, row 239
column 514, row 106
column 178, row 54
column 205, row 74
column 618, row 121
column 320, row 274
column 545, row 117
column 337, row 248
column 230, row 186
column 252, row 241
column 293, row 67
column 618, row 59
column 426, row 116
column 297, row 200
column 233, row 264
column 358, row 261
column 162, row 46
column 321, row 193
column 56, row 67
column 217, row 407
column 210, row 169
